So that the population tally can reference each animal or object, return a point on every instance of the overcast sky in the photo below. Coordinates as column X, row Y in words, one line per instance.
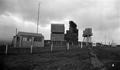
column 101, row 15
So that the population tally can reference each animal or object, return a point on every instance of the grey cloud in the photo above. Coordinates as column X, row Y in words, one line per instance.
column 86, row 13
column 49, row 10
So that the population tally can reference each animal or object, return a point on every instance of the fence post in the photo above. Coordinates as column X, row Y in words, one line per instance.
column 81, row 44
column 67, row 46
column 6, row 49
column 31, row 48
column 51, row 46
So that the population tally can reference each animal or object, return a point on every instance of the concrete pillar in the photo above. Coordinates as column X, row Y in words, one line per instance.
column 31, row 48
column 81, row 44
column 68, row 46
column 43, row 42
column 6, row 49
column 51, row 45
column 32, row 42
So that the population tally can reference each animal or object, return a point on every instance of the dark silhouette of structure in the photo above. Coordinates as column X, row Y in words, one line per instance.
column 87, row 33
column 57, row 35
column 71, row 35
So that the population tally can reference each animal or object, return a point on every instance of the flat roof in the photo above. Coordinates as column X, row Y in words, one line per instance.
column 29, row 34
column 57, row 28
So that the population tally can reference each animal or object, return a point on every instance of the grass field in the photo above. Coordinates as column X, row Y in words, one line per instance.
column 75, row 59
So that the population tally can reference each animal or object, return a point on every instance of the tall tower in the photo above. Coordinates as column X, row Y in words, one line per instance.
column 87, row 33
column 71, row 35
column 94, row 61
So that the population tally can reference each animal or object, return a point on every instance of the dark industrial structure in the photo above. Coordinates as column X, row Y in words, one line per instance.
column 71, row 35
column 57, row 34
column 87, row 33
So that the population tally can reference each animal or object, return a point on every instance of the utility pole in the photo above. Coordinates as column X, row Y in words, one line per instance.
column 38, row 16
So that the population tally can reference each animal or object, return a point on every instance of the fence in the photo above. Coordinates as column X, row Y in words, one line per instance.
column 49, row 47
column 34, row 50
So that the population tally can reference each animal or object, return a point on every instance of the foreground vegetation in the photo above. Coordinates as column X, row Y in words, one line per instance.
column 75, row 59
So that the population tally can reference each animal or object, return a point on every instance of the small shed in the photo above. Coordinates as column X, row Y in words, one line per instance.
column 25, row 39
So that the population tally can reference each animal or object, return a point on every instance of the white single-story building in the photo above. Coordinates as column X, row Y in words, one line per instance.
column 25, row 39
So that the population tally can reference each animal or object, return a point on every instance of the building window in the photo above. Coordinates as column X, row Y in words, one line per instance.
column 24, row 39
column 29, row 39
column 37, row 39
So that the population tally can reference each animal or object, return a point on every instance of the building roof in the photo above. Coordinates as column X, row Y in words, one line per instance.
column 29, row 34
column 57, row 28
